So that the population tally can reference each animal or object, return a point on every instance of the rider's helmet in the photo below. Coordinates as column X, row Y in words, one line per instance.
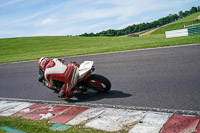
column 42, row 63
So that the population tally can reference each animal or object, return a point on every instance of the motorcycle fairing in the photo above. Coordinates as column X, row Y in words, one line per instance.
column 84, row 68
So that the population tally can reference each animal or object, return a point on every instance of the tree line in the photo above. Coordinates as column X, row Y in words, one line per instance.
column 144, row 26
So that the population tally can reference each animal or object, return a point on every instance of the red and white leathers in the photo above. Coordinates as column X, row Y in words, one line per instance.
column 68, row 74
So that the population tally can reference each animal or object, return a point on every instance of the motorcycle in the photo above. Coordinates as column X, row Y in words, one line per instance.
column 87, row 80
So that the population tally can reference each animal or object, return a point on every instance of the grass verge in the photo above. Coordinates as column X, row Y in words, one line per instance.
column 42, row 126
column 31, row 48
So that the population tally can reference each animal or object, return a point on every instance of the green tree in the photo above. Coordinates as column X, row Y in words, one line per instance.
column 198, row 8
column 193, row 10
column 186, row 13
column 180, row 14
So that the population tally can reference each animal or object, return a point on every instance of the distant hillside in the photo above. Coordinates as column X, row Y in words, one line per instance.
column 179, row 24
column 135, row 28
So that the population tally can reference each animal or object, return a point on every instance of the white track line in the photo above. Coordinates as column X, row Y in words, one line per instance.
column 181, row 112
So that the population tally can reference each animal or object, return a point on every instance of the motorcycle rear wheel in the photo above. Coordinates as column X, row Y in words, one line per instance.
column 99, row 83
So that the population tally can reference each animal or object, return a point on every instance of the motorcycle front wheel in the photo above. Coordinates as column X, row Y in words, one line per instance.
column 99, row 83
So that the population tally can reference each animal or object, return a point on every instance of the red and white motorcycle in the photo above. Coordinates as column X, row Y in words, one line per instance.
column 87, row 80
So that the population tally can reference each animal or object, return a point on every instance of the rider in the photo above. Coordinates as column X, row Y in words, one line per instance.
column 54, row 70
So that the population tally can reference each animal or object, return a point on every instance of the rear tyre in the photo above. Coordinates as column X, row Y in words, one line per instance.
column 98, row 83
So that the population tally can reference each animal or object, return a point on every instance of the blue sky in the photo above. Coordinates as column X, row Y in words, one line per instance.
column 20, row 18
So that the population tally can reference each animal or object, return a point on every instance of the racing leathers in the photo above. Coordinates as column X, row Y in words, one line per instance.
column 57, row 71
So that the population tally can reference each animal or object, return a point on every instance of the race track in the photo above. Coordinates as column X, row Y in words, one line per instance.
column 166, row 78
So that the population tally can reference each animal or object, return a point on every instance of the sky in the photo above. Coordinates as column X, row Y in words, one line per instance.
column 24, row 18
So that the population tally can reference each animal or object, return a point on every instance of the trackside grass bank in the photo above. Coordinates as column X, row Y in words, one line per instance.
column 31, row 48
column 179, row 24
column 30, row 126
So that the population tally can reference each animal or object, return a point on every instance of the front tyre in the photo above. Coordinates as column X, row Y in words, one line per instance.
column 98, row 83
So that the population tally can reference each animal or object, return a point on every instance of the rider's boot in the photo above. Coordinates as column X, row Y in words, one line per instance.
column 65, row 92
column 67, row 95
column 61, row 94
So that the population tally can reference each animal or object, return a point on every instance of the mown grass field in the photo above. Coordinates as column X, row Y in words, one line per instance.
column 31, row 48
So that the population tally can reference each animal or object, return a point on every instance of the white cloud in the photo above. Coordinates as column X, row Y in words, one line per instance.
column 19, row 21
column 10, row 3
column 48, row 21
column 121, row 10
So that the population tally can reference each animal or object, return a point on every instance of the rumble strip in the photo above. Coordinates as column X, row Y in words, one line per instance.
column 103, row 118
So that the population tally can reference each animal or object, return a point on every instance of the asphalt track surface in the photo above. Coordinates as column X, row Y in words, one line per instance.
column 167, row 78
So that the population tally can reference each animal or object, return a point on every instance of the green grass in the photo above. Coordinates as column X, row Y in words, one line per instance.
column 179, row 24
column 31, row 48
column 42, row 126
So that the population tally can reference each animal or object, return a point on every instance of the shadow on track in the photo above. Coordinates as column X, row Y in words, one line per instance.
column 95, row 96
